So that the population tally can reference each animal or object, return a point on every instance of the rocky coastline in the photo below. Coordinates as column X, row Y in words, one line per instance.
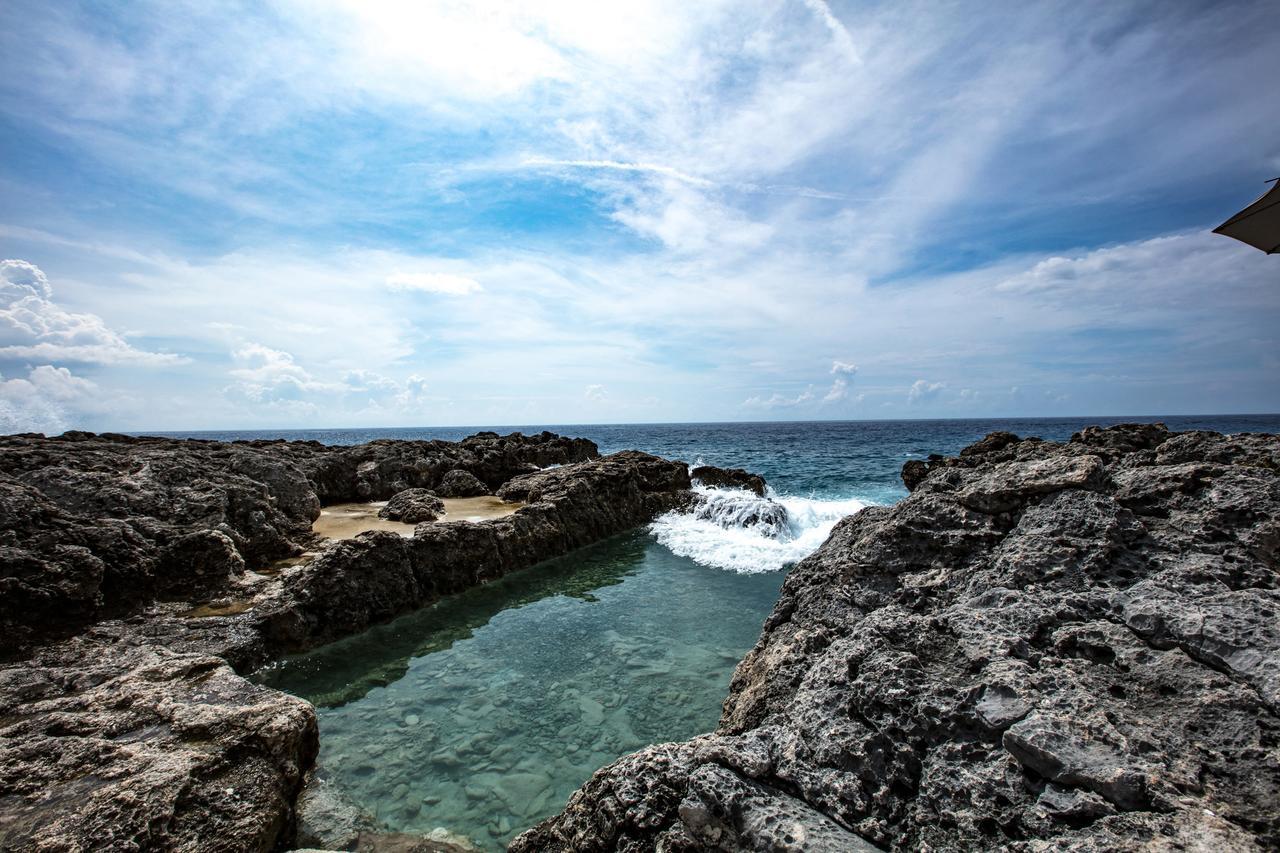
column 1045, row 646
column 142, row 577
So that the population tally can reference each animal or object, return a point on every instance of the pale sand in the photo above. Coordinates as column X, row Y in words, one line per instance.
column 343, row 521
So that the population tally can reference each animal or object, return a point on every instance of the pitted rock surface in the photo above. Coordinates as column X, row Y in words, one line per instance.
column 108, row 743
column 97, row 526
column 1045, row 646
column 413, row 506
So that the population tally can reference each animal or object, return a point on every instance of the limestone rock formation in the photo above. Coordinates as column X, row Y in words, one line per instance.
column 1045, row 646
column 97, row 526
column 378, row 575
column 413, row 506
column 108, row 742
column 733, row 478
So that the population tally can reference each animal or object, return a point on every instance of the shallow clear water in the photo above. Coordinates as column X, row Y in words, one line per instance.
column 484, row 712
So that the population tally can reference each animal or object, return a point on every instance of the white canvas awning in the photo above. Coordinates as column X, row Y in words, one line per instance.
column 1259, row 223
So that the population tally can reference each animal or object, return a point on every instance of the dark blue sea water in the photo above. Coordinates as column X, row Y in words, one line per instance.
column 482, row 713
column 819, row 459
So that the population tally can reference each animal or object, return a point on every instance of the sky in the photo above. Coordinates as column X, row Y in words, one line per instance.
column 226, row 215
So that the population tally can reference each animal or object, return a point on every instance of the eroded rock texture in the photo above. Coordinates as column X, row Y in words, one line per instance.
column 110, row 743
column 378, row 575
column 728, row 478
column 96, row 526
column 413, row 506
column 1045, row 646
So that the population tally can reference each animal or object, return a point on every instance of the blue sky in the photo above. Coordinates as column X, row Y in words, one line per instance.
column 331, row 213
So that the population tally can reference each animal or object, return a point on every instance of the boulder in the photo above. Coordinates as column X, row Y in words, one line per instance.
column 461, row 484
column 413, row 506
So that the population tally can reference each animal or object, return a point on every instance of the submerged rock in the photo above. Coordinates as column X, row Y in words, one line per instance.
column 413, row 506
column 733, row 478
column 1045, row 646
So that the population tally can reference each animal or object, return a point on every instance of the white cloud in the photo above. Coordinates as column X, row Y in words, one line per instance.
column 433, row 282
column 922, row 391
column 838, row 31
column 839, row 391
column 49, row 400
column 652, row 168
column 272, row 376
column 596, row 393
column 33, row 327
column 844, row 367
column 778, row 401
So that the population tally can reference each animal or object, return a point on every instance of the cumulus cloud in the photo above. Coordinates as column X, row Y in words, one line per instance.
column 844, row 367
column 33, row 326
column 271, row 375
column 433, row 282
column 596, row 393
column 839, row 391
column 412, row 392
column 48, row 400
column 922, row 391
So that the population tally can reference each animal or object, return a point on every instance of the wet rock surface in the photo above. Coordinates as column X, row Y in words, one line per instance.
column 1045, row 646
column 731, row 478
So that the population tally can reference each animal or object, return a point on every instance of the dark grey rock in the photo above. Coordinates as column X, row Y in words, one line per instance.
column 461, row 484
column 413, row 506
column 97, row 526
column 1045, row 646
column 732, row 478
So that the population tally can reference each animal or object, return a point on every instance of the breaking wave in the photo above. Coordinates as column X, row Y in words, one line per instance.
column 740, row 531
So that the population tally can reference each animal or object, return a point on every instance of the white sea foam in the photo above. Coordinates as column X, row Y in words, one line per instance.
column 737, row 530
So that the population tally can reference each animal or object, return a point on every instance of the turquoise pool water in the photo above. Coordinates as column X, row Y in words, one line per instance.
column 483, row 713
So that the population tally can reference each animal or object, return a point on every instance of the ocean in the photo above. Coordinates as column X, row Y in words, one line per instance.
column 480, row 715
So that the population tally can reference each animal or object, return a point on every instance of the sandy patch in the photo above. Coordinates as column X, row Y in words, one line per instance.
column 344, row 521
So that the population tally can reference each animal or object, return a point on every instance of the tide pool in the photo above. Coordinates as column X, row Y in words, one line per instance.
column 484, row 712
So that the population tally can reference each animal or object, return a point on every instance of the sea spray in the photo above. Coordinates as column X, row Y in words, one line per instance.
column 737, row 530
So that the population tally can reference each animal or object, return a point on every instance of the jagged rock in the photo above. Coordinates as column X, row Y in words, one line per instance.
column 107, row 743
column 96, row 526
column 1045, row 646
column 461, row 484
column 413, row 506
column 732, row 478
